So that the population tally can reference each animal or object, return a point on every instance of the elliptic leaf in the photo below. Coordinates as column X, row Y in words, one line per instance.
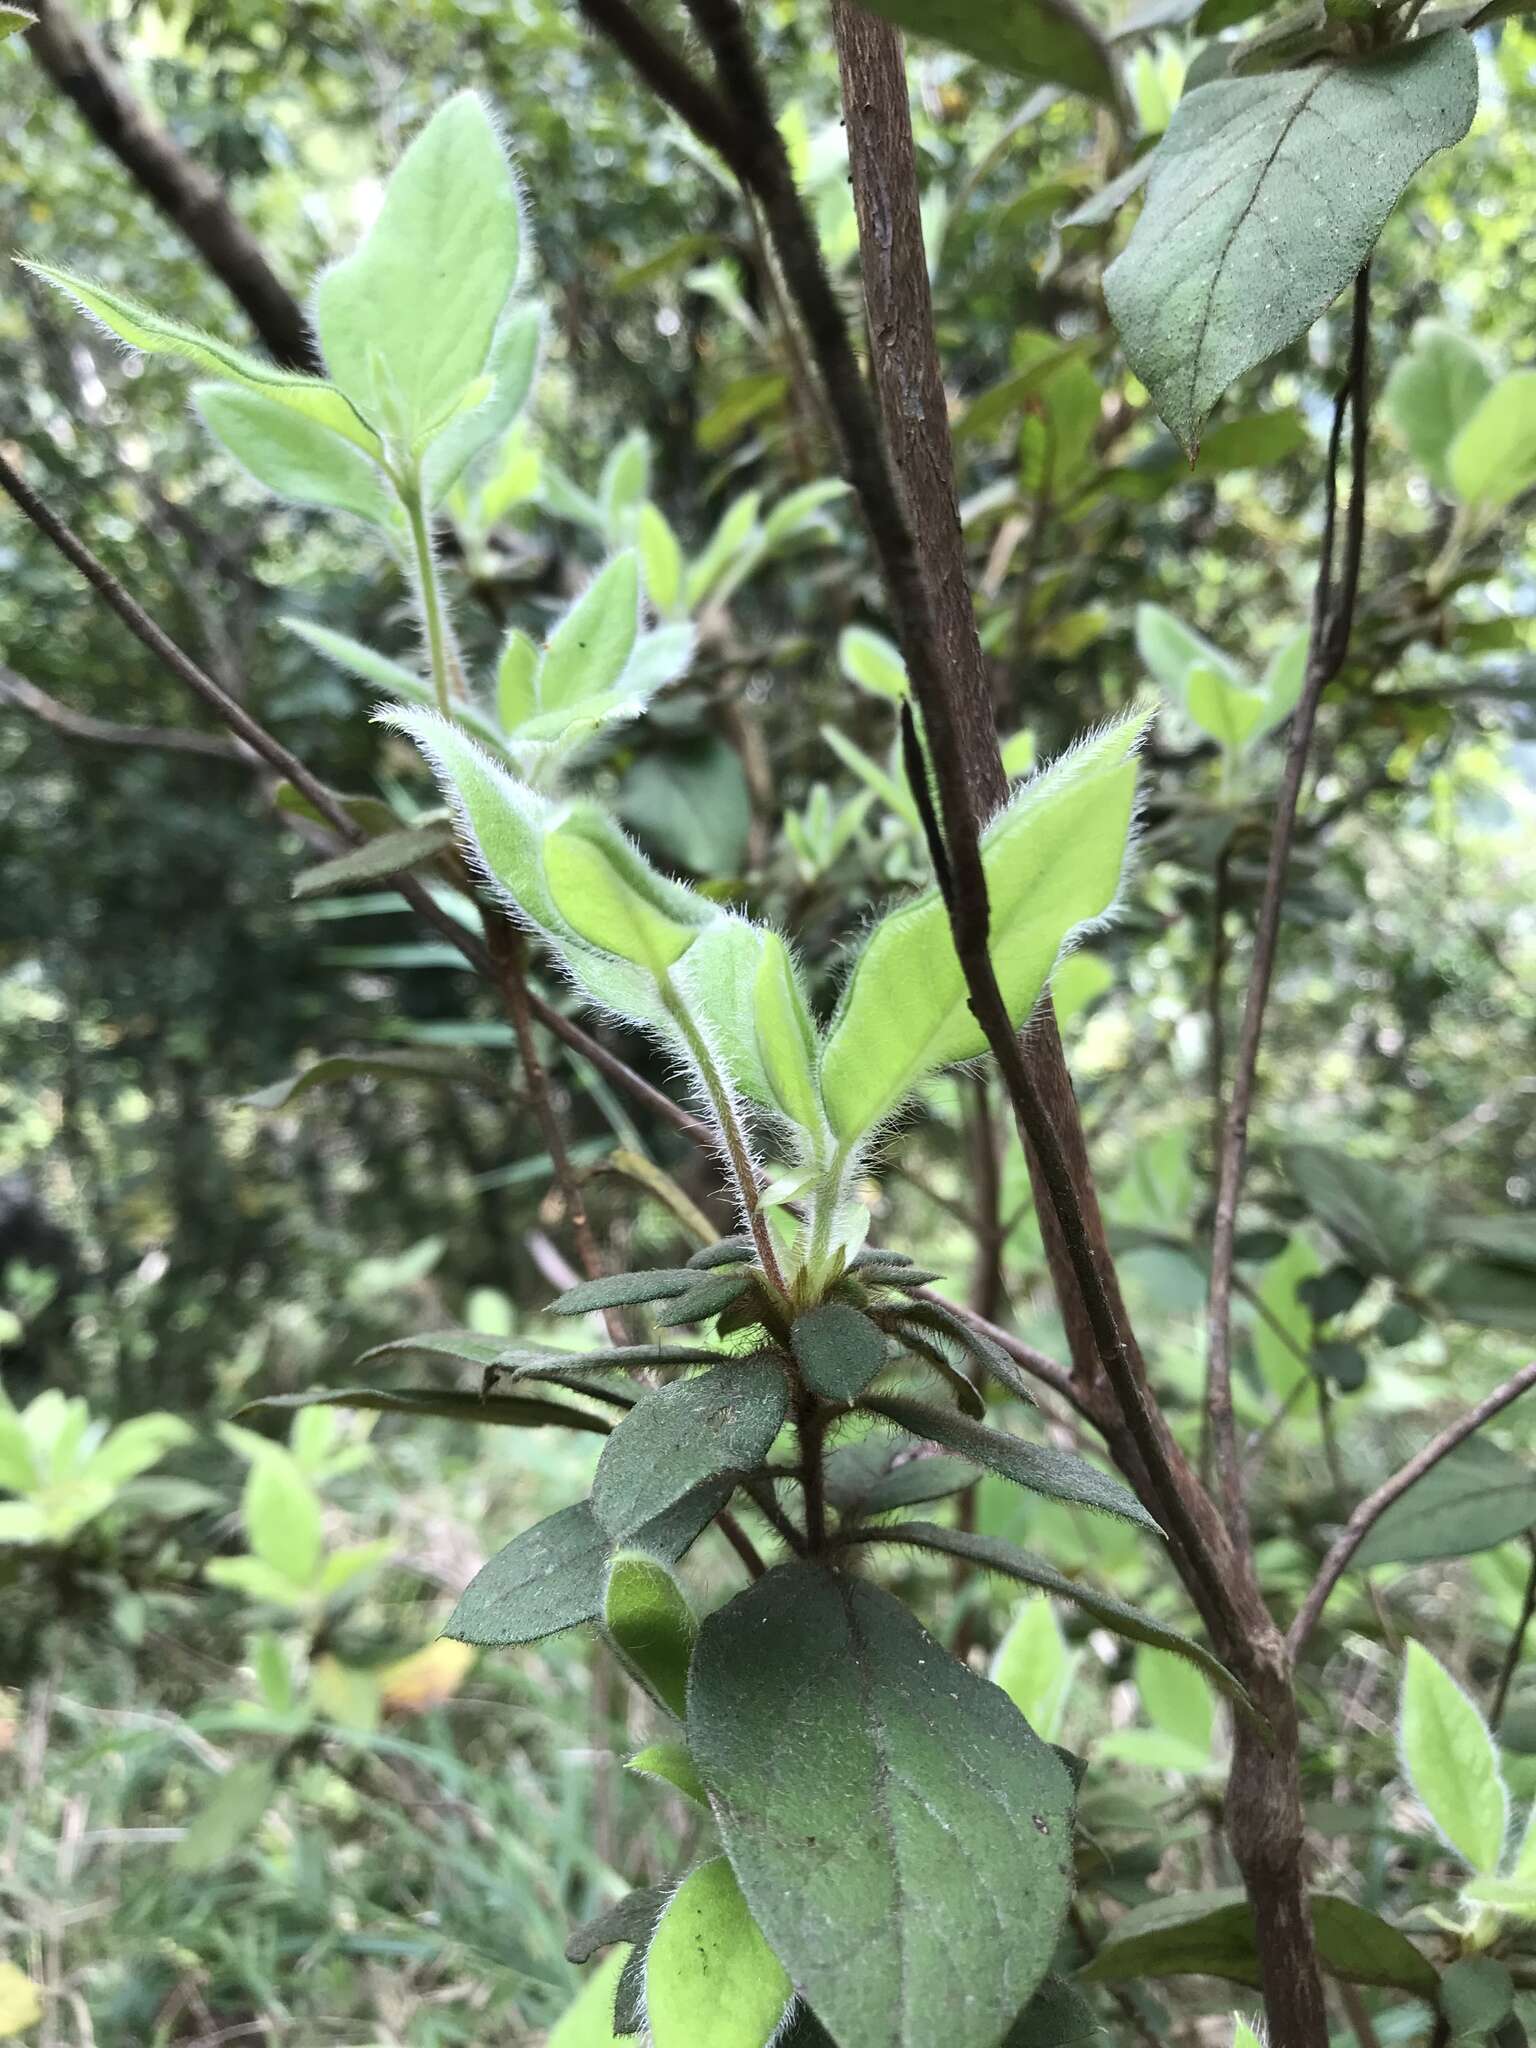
column 1053, row 861
column 1050, row 41
column 291, row 455
column 587, row 652
column 670, row 1764
column 661, row 559
column 722, row 1422
column 1451, row 1762
column 407, row 321
column 1266, row 196
column 873, row 662
column 1434, row 389
column 1493, row 458
column 709, row 1974
column 1476, row 1995
column 622, row 1290
column 1379, row 1214
column 902, row 1836
column 1210, row 1934
column 391, row 853
column 605, row 890
column 651, row 1625
column 519, row 1411
column 556, row 1574
column 838, row 1350
column 1473, row 1499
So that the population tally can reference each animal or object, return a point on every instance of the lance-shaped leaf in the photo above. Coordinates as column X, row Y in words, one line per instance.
column 590, row 647
column 153, row 334
column 723, row 1422
column 992, row 1554
column 786, row 1037
column 1452, row 1763
column 837, row 1350
column 1266, row 196
column 649, row 1622
column 709, row 1295
column 901, row 1835
column 1473, row 1499
column 1051, row 41
column 709, row 1974
column 513, row 1411
column 1053, row 862
column 513, row 360
column 1211, row 1934
column 407, row 321
column 872, row 1477
column 725, row 1251
column 392, row 853
column 555, row 1575
column 409, row 1063
column 623, row 1290
column 393, row 678
column 947, row 1322
column 1056, row 1474
column 293, row 456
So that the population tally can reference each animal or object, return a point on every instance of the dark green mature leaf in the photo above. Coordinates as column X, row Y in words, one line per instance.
column 838, row 1350
column 555, row 1574
column 536, row 1361
column 1475, row 1498
column 1050, row 41
column 1476, row 1994
column 709, row 1294
column 991, row 1357
column 1507, row 1240
column 1489, row 1293
column 995, row 1555
column 1266, row 196
column 1056, row 1474
column 872, row 1477
column 695, row 1430
column 516, row 1411
column 631, row 1920
column 623, row 1290
column 1210, row 1934
column 1055, row 2017
column 725, row 1251
column 901, row 1834
column 392, row 853
column 1382, row 1216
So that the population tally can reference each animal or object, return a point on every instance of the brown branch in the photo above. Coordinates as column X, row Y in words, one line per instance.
column 77, row 725
column 190, row 197
column 1375, row 1505
column 265, row 746
column 1333, row 611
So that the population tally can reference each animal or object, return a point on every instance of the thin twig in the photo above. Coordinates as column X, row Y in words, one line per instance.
column 1332, row 621
column 78, row 725
column 1511, row 1662
column 1375, row 1505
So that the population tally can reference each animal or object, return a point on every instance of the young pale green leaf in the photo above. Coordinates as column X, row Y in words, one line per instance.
column 800, row 514
column 1058, row 1475
column 1231, row 717
column 605, row 891
column 1053, row 862
column 516, row 693
column 625, row 481
column 1173, row 652
column 837, row 1350
column 1451, row 1762
column 407, row 321
column 155, row 335
column 1493, row 459
column 670, row 1764
column 709, row 1974
column 891, row 792
column 661, row 559
column 381, row 672
column 1284, row 678
column 873, row 662
column 13, row 20
column 1434, row 389
column 1266, row 196
column 509, row 371
column 992, row 1554
column 651, row 1625
column 786, row 1037
column 1176, row 1698
column 734, row 533
column 901, row 1834
column 228, row 1817
column 589, row 648
column 293, row 456
column 1034, row 1666
column 1053, row 42
column 587, row 2021
column 281, row 1511
column 720, row 1424
column 555, row 1574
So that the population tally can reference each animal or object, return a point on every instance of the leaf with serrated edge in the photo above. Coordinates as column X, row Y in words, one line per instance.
column 1266, row 195
column 901, row 1835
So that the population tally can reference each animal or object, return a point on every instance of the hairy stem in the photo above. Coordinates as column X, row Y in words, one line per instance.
column 442, row 649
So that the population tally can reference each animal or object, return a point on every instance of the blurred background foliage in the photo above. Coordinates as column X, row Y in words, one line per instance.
column 234, row 1809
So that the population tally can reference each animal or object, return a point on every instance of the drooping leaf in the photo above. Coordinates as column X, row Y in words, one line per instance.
column 947, row 1322
column 407, row 321
column 709, row 1974
column 514, row 1411
column 1211, row 1934
column 1451, row 1762
column 631, row 1919
column 838, row 1350
column 1473, row 1499
column 651, row 1625
column 407, row 1064
column 293, row 455
column 1039, row 1467
column 392, row 853
column 1267, row 194
column 1050, row 41
column 1380, row 1215
column 992, row 1554
column 1053, row 861
column 1489, row 1293
column 722, row 1422
column 555, row 1575
column 881, row 1473
column 901, row 1835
